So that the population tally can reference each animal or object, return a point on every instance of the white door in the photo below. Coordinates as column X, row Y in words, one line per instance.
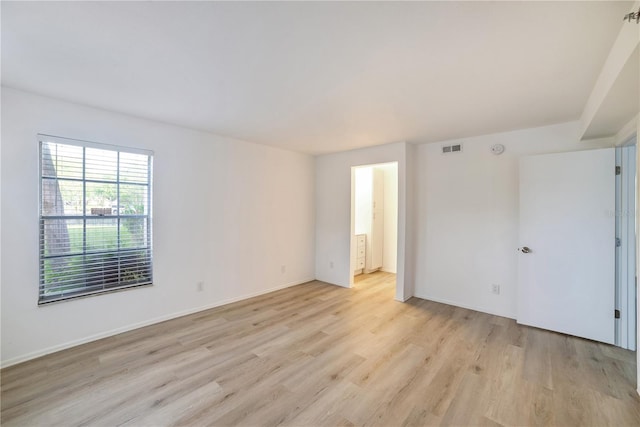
column 566, row 266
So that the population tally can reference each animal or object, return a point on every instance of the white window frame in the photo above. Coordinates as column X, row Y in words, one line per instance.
column 44, row 299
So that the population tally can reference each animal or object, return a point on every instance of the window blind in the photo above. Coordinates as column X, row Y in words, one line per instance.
column 95, row 218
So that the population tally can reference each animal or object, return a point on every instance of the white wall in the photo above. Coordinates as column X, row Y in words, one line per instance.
column 467, row 216
column 334, row 226
column 363, row 195
column 226, row 212
column 407, row 250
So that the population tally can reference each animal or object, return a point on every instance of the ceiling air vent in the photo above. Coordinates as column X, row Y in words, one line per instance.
column 447, row 149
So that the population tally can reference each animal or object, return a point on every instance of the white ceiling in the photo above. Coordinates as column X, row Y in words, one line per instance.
column 621, row 103
column 317, row 77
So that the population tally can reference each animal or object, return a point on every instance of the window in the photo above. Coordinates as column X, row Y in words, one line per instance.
column 95, row 218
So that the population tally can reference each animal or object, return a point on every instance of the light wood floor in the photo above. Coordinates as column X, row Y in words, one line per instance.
column 317, row 354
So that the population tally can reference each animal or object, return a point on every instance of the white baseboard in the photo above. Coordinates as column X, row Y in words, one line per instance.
column 348, row 285
column 397, row 298
column 467, row 306
column 116, row 331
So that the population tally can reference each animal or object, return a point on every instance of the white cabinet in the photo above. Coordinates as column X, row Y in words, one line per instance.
column 361, row 253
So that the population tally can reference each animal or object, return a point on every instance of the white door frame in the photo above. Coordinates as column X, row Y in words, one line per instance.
column 625, row 332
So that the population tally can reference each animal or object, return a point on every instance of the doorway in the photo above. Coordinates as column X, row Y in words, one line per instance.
column 374, row 223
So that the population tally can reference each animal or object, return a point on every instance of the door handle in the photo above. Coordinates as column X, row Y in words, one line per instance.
column 525, row 250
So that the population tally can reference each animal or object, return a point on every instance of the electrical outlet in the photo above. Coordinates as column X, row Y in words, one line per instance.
column 330, row 264
column 495, row 289
column 283, row 269
column 200, row 286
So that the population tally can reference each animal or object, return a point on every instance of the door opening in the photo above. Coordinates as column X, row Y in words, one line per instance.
column 374, row 224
